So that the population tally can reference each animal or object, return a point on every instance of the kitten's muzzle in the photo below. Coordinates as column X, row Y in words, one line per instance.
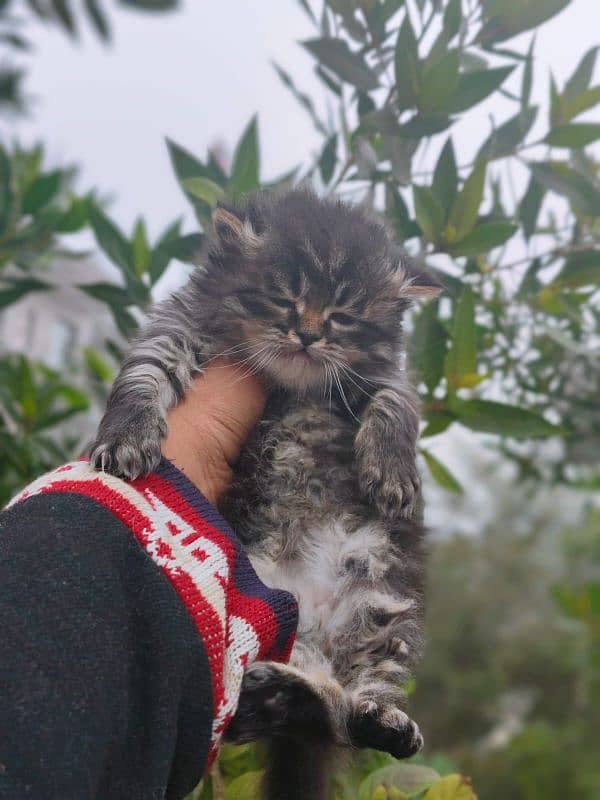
column 308, row 337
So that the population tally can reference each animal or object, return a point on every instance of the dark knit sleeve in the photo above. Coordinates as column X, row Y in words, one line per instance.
column 128, row 613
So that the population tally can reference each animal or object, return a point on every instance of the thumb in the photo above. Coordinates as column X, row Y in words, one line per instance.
column 207, row 430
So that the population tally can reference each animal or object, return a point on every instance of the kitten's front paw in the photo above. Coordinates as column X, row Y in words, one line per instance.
column 385, row 727
column 391, row 485
column 130, row 449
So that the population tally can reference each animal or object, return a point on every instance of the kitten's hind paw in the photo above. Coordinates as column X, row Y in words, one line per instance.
column 385, row 728
column 129, row 450
column 275, row 701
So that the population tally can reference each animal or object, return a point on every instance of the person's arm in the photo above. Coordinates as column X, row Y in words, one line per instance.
column 121, row 604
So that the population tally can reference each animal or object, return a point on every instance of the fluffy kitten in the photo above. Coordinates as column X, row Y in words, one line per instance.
column 312, row 293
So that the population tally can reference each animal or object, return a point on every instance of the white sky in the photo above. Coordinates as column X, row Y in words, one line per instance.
column 197, row 76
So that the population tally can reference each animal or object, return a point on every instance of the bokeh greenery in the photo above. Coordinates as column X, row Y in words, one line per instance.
column 511, row 225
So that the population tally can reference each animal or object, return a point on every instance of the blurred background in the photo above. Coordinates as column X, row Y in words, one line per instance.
column 473, row 126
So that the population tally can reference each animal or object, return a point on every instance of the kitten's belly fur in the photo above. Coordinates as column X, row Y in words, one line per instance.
column 297, row 509
column 332, row 555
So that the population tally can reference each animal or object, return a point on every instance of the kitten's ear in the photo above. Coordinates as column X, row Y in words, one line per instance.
column 233, row 233
column 416, row 283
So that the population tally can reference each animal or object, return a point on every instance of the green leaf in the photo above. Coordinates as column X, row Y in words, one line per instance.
column 165, row 249
column 505, row 139
column 41, row 191
column 428, row 346
column 407, row 66
column 98, row 19
column 18, row 288
column 63, row 11
column 97, row 365
column 185, row 165
column 563, row 179
column 483, row 238
column 527, row 77
column 464, row 212
column 428, row 212
column 580, row 269
column 246, row 161
column 346, row 64
column 439, row 82
column 529, row 207
column 507, row 19
column 451, row 787
column 328, row 80
column 445, row 178
column 412, row 779
column 437, row 422
column 6, row 190
column 328, row 158
column 487, row 416
column 245, row 787
column 152, row 5
column 530, row 284
column 203, row 189
column 74, row 218
column 140, row 248
column 475, row 86
column 185, row 248
column 397, row 211
column 107, row 293
column 461, row 359
column 574, row 135
column 452, row 18
column 582, row 76
column 441, row 474
column 572, row 107
column 111, row 240
column 424, row 125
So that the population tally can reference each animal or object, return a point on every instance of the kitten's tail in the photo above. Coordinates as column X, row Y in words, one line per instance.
column 298, row 769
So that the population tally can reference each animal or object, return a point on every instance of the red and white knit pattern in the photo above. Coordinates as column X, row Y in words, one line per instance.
column 237, row 617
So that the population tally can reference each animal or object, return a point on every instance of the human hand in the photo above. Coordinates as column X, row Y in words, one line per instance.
column 209, row 427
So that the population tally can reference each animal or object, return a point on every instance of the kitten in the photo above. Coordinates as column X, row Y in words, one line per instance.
column 311, row 292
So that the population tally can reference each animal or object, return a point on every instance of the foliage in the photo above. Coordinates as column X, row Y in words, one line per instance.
column 509, row 351
column 515, row 656
column 34, row 403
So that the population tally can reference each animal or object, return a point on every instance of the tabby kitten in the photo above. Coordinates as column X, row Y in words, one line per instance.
column 310, row 292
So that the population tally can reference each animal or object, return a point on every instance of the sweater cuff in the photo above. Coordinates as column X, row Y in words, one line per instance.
column 238, row 618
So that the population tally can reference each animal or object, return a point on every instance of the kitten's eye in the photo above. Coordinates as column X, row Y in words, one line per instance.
column 282, row 303
column 341, row 319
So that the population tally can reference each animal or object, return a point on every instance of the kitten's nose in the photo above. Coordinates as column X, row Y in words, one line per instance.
column 307, row 337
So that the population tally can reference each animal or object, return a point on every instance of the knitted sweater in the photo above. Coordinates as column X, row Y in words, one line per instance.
column 129, row 612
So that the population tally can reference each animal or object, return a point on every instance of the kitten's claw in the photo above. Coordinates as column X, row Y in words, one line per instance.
column 130, row 450
column 387, row 728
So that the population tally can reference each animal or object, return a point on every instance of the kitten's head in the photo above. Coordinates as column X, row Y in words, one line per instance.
column 310, row 291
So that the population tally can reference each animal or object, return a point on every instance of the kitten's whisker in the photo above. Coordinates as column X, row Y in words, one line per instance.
column 349, row 377
column 247, row 362
column 259, row 361
column 230, row 351
column 358, row 375
column 343, row 395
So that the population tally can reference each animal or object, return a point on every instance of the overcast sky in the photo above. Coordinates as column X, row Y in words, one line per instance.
column 197, row 76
